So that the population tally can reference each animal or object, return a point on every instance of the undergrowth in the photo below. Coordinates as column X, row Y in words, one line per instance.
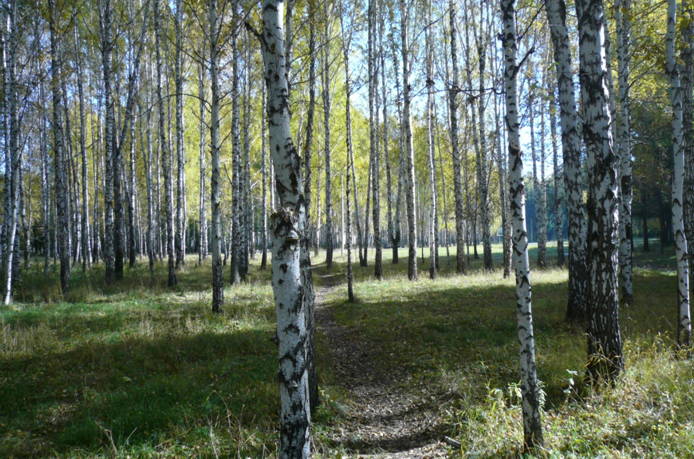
column 139, row 370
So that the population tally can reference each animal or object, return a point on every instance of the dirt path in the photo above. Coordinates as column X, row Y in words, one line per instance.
column 386, row 416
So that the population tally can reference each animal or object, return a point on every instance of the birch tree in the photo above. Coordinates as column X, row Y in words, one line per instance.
column 287, row 225
column 604, row 339
column 453, row 91
column 571, row 150
column 532, row 423
column 684, row 326
column 214, row 25
column 624, row 153
column 164, row 155
column 409, row 147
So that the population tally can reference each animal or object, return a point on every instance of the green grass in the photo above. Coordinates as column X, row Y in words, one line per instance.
column 139, row 370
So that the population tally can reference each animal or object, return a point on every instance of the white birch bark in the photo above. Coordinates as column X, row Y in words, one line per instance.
column 453, row 91
column 626, row 270
column 164, row 155
column 409, row 145
column 325, row 78
column 604, row 339
column 571, row 150
column 215, row 210
column 288, row 225
column 683, row 322
column 532, row 423
column 430, row 144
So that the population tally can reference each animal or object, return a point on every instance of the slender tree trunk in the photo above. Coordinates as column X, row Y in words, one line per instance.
column 86, row 233
column 624, row 153
column 147, row 159
column 287, row 224
column 684, row 327
column 163, row 146
column 237, row 233
column 558, row 207
column 571, row 149
column 263, row 150
column 409, row 145
column 454, row 89
column 430, row 145
column 541, row 191
column 247, row 194
column 325, row 77
column 346, row 41
column 687, row 76
column 109, row 135
column 215, row 236
column 532, row 422
column 604, row 339
column 180, row 152
column 373, row 142
column 202, row 74
column 10, row 252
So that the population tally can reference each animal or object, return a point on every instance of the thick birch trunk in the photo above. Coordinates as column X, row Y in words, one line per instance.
column 571, row 148
column 532, row 423
column 604, row 339
column 288, row 225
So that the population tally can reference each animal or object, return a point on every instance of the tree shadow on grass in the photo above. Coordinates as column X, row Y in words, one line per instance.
column 139, row 391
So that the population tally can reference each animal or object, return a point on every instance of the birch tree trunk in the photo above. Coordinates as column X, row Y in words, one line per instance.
column 264, row 172
column 453, row 91
column 536, row 183
column 202, row 73
column 558, row 207
column 409, row 145
column 430, row 144
column 14, row 159
column 373, row 140
column 238, row 236
column 180, row 152
column 604, row 339
column 288, row 224
column 164, row 154
column 86, row 232
column 325, row 77
column 687, row 78
column 542, row 193
column 346, row 41
column 532, row 423
column 247, row 196
column 684, row 326
column 109, row 134
column 626, row 270
column 215, row 236
column 571, row 149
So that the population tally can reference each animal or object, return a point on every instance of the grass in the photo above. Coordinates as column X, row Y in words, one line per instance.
column 143, row 371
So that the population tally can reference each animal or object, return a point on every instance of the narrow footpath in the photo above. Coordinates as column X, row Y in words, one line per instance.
column 386, row 417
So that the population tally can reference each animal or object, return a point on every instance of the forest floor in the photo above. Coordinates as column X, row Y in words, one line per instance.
column 137, row 369
column 387, row 415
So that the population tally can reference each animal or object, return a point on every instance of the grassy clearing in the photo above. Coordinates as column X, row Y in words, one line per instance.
column 138, row 370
